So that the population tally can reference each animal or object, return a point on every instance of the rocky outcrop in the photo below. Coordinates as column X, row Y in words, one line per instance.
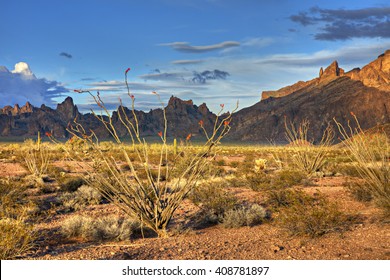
column 375, row 74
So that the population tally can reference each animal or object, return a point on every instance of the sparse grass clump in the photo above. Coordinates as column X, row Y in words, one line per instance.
column 82, row 197
column 102, row 229
column 243, row 216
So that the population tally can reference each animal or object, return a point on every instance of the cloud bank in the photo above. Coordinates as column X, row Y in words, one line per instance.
column 342, row 24
column 20, row 85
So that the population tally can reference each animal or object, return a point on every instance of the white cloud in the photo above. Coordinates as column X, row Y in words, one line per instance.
column 20, row 85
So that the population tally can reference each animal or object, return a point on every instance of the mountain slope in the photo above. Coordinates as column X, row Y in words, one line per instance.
column 334, row 94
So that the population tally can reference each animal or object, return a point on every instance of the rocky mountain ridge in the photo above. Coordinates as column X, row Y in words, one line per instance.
column 333, row 94
column 376, row 74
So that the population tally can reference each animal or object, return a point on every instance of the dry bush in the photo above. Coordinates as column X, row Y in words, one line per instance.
column 102, row 229
column 153, row 198
column 16, row 238
column 84, row 196
column 371, row 151
column 71, row 184
column 313, row 216
column 284, row 178
column 243, row 216
column 213, row 199
column 306, row 156
column 16, row 235
column 37, row 158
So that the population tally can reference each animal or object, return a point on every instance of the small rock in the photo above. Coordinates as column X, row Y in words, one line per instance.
column 162, row 249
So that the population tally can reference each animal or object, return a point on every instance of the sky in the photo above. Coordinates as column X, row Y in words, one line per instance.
column 212, row 51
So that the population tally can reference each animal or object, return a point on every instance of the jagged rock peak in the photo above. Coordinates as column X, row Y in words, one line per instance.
column 333, row 70
column 67, row 108
column 175, row 102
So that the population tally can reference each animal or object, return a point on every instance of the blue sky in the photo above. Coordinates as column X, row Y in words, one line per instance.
column 213, row 51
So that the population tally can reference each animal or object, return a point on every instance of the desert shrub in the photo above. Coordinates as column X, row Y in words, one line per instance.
column 288, row 178
column 71, row 184
column 234, row 164
column 84, row 196
column 220, row 162
column 112, row 228
column 371, row 151
column 102, row 229
column 282, row 179
column 259, row 181
column 77, row 226
column 243, row 216
column 213, row 199
column 308, row 157
column 361, row 191
column 285, row 197
column 16, row 238
column 37, row 158
column 313, row 216
column 16, row 235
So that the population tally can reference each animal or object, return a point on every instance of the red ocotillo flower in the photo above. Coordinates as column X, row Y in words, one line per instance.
column 132, row 97
column 201, row 123
column 160, row 133
column 77, row 90
column 48, row 134
column 127, row 70
column 188, row 137
column 154, row 92
column 352, row 114
column 226, row 123
column 222, row 105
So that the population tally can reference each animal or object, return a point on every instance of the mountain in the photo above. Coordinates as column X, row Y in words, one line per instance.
column 183, row 118
column 333, row 94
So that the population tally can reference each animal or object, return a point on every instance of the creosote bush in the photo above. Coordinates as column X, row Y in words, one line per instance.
column 312, row 216
column 213, row 199
column 150, row 194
